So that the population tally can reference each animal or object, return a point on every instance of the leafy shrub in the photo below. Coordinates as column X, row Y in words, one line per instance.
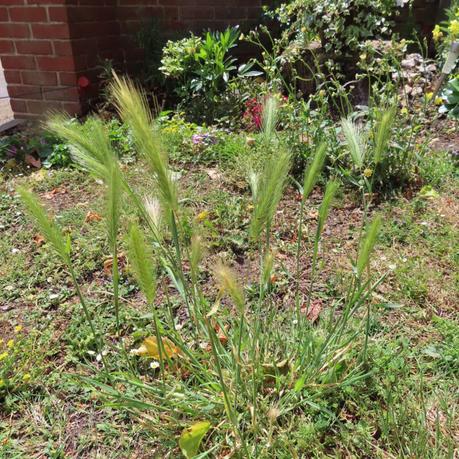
column 341, row 26
column 202, row 69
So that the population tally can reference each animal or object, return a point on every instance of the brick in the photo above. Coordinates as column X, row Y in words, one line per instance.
column 12, row 2
column 6, row 47
column 18, row 62
column 12, row 76
column 51, row 63
column 58, row 13
column 61, row 94
column 67, row 78
column 18, row 106
column 28, row 14
column 3, row 14
column 51, row 2
column 92, row 14
column 25, row 92
column 63, row 47
column 42, row 107
column 232, row 13
column 73, row 108
column 95, row 29
column 34, row 47
column 9, row 30
column 39, row 78
column 196, row 13
column 51, row 31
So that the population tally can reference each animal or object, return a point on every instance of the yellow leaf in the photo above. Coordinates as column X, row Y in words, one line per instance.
column 150, row 348
column 191, row 438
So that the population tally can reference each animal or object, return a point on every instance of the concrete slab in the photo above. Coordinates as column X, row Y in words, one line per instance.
column 6, row 114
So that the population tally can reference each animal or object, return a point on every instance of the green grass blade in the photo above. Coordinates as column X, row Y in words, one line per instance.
column 312, row 173
column 271, row 187
column 383, row 132
column 368, row 244
column 47, row 227
column 141, row 261
column 354, row 140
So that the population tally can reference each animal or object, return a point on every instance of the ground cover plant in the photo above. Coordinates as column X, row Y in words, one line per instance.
column 280, row 281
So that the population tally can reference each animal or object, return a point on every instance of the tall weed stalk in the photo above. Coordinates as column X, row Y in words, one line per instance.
column 241, row 362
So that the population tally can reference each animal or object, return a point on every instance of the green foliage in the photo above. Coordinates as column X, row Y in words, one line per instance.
column 202, row 69
column 378, row 152
column 18, row 368
column 446, row 353
column 141, row 260
column 451, row 99
column 48, row 149
column 321, row 44
column 48, row 228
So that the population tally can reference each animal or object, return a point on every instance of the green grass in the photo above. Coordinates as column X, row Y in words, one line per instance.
column 410, row 398
column 400, row 400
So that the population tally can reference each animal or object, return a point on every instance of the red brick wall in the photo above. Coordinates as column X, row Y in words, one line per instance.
column 46, row 45
column 34, row 49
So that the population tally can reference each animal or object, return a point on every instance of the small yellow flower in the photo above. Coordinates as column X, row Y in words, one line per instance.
column 18, row 328
column 429, row 96
column 202, row 216
column 26, row 377
column 368, row 172
column 404, row 111
column 303, row 29
column 438, row 101
column 10, row 344
column 2, row 383
column 3, row 356
column 437, row 33
column 454, row 27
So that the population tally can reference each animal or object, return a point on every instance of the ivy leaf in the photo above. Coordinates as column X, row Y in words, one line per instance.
column 191, row 438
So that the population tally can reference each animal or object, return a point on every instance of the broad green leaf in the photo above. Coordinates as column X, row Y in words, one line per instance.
column 191, row 438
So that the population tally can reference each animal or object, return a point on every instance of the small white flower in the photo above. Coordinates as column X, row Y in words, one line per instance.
column 154, row 365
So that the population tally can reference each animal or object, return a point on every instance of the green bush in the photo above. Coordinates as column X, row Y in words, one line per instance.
column 202, row 69
column 341, row 26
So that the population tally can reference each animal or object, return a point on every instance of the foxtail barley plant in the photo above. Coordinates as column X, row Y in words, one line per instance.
column 239, row 364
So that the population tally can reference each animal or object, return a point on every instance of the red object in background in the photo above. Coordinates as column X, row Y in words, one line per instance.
column 253, row 113
column 83, row 82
